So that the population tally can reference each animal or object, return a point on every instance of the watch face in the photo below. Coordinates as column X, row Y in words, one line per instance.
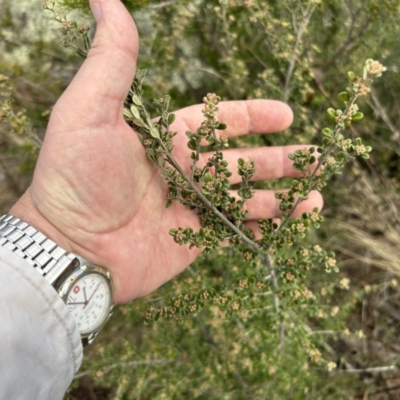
column 89, row 301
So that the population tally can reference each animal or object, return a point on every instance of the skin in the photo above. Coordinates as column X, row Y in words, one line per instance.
column 94, row 191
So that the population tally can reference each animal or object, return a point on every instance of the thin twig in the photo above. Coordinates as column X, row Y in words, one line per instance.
column 275, row 288
column 368, row 370
column 303, row 26
column 208, row 203
column 161, row 5
column 380, row 110
column 268, row 262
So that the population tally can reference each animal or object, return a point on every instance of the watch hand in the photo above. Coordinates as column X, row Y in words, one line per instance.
column 79, row 302
column 90, row 298
column 84, row 294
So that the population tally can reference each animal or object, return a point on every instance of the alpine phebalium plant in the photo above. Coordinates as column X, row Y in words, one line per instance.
column 258, row 323
column 279, row 264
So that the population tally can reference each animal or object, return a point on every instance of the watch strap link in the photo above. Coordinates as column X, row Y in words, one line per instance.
column 42, row 253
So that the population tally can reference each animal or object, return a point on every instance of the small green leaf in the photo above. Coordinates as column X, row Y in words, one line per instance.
column 207, row 177
column 297, row 153
column 191, row 144
column 166, row 102
column 357, row 116
column 164, row 115
column 331, row 112
column 127, row 113
column 154, row 132
column 136, row 100
column 149, row 122
column 161, row 161
column 365, row 72
column 221, row 126
column 171, row 118
column 139, row 122
column 150, row 153
column 341, row 156
column 344, row 96
column 135, row 111
column 327, row 132
column 352, row 76
column 156, row 102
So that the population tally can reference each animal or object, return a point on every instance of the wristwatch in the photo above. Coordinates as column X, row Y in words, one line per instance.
column 84, row 287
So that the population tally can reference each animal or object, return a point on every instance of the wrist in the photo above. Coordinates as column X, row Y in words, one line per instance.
column 85, row 288
column 26, row 210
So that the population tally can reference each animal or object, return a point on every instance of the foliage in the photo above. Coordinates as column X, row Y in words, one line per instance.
column 222, row 336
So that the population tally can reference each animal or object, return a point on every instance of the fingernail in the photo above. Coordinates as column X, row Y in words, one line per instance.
column 96, row 11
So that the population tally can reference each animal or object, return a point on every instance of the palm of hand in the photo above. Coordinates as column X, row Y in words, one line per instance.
column 113, row 202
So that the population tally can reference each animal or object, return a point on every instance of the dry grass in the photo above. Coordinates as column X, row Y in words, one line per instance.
column 367, row 228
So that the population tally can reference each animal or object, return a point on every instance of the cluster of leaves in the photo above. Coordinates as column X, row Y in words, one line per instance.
column 72, row 35
column 335, row 150
column 222, row 215
column 16, row 127
column 208, row 194
column 212, row 197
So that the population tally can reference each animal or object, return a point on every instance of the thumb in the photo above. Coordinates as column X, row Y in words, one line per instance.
column 101, row 85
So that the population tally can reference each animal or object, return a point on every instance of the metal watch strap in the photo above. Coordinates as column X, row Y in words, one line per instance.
column 42, row 253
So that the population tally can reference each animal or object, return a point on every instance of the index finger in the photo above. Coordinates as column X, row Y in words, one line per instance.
column 243, row 117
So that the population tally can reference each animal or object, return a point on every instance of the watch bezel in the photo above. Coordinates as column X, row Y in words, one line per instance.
column 65, row 285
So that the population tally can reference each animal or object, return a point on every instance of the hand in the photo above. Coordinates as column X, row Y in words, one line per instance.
column 94, row 191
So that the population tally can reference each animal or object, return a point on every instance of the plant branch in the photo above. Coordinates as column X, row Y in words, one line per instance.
column 323, row 157
column 292, row 63
column 275, row 288
column 380, row 110
column 368, row 370
column 208, row 203
column 161, row 5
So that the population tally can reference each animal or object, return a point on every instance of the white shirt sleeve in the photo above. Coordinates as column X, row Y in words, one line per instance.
column 40, row 345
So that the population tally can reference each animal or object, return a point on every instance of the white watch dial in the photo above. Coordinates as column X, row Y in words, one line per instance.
column 89, row 302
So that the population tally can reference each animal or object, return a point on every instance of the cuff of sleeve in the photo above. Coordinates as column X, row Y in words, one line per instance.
column 41, row 312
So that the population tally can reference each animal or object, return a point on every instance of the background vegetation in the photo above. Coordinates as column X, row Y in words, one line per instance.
column 298, row 51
